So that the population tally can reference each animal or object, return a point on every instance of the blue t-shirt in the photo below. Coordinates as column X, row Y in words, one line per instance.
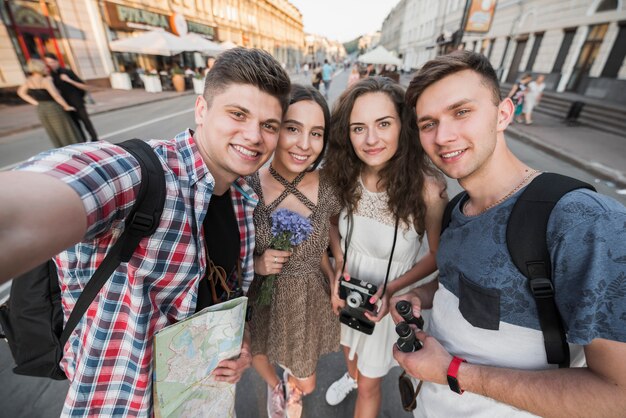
column 327, row 71
column 485, row 313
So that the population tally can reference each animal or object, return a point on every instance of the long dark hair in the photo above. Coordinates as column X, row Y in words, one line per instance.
column 403, row 175
column 300, row 93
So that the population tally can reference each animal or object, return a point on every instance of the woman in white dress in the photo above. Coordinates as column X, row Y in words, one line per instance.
column 376, row 162
column 532, row 97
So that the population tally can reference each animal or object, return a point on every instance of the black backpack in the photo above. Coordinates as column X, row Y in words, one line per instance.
column 32, row 319
column 526, row 242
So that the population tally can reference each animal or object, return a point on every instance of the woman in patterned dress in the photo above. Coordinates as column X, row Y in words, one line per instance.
column 386, row 183
column 298, row 326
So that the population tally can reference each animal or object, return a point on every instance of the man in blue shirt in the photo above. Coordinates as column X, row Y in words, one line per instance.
column 327, row 75
column 484, row 335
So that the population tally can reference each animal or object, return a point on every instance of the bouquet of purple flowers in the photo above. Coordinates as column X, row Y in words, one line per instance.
column 288, row 229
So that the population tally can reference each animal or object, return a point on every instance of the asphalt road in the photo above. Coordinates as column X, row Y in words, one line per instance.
column 31, row 397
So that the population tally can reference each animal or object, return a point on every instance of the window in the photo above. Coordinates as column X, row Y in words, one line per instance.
column 564, row 50
column 607, row 5
column 534, row 51
column 618, row 52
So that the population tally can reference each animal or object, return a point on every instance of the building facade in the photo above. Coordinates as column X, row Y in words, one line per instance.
column 579, row 45
column 78, row 31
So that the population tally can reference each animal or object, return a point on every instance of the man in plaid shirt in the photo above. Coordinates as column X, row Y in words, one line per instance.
column 79, row 196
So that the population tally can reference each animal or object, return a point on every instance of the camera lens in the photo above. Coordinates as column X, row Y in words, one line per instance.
column 354, row 300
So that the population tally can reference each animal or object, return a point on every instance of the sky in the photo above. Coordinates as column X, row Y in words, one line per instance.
column 343, row 20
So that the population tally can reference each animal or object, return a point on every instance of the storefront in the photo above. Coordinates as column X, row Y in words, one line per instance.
column 34, row 29
column 123, row 21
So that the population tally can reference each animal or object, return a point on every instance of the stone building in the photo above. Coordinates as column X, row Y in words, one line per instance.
column 580, row 45
column 79, row 31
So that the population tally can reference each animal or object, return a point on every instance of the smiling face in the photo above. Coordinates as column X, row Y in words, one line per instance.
column 459, row 124
column 374, row 129
column 301, row 138
column 237, row 134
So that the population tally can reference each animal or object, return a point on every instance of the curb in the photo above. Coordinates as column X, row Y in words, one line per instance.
column 600, row 171
column 38, row 125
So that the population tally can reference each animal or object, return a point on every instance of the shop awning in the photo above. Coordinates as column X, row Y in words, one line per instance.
column 156, row 42
column 379, row 55
column 195, row 42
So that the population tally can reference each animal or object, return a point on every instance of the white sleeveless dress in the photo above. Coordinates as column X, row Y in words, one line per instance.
column 367, row 259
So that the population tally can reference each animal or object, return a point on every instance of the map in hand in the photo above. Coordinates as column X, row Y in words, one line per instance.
column 187, row 352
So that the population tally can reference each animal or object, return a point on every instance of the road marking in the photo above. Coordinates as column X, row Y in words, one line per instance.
column 148, row 122
column 130, row 128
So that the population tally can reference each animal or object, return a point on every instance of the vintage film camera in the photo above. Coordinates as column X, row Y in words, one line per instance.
column 357, row 294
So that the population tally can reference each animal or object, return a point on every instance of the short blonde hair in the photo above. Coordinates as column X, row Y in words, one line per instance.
column 36, row 66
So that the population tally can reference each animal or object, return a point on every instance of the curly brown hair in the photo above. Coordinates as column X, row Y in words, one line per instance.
column 402, row 177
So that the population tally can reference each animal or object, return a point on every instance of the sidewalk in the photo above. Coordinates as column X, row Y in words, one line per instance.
column 24, row 117
column 601, row 153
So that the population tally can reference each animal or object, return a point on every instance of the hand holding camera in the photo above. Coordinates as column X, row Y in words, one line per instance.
column 357, row 294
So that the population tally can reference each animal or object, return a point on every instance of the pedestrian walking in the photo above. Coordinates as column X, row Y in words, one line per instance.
column 327, row 76
column 316, row 78
column 52, row 109
column 306, row 68
column 210, row 62
column 486, row 332
column 73, row 90
column 517, row 94
column 298, row 326
column 532, row 97
column 388, row 190
column 354, row 75
column 79, row 196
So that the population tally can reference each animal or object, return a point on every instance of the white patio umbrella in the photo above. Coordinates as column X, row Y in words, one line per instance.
column 155, row 42
column 195, row 42
column 379, row 55
column 228, row 45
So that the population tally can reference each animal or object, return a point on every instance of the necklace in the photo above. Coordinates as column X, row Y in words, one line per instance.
column 505, row 197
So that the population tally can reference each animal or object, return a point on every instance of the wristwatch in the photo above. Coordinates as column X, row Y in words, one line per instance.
column 453, row 370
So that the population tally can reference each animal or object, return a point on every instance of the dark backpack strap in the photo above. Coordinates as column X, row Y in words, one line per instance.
column 526, row 242
column 141, row 222
column 447, row 213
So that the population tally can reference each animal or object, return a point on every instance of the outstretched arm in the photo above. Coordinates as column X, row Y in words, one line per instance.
column 40, row 216
column 596, row 390
column 75, row 83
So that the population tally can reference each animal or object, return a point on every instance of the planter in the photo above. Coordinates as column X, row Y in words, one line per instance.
column 178, row 80
column 198, row 85
column 152, row 84
column 120, row 81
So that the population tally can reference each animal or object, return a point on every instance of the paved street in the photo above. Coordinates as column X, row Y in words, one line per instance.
column 30, row 397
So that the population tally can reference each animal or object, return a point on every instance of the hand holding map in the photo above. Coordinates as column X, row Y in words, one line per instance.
column 186, row 354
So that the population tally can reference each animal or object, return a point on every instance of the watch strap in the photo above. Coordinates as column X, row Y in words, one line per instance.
column 453, row 370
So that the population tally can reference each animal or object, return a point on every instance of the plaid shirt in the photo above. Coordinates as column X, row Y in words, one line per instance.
column 108, row 357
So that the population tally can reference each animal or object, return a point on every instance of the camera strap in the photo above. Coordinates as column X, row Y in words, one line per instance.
column 347, row 244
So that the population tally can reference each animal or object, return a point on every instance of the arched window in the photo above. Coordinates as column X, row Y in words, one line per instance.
column 606, row 5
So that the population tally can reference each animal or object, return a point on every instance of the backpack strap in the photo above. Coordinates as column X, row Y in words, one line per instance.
column 526, row 242
column 141, row 222
column 447, row 212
